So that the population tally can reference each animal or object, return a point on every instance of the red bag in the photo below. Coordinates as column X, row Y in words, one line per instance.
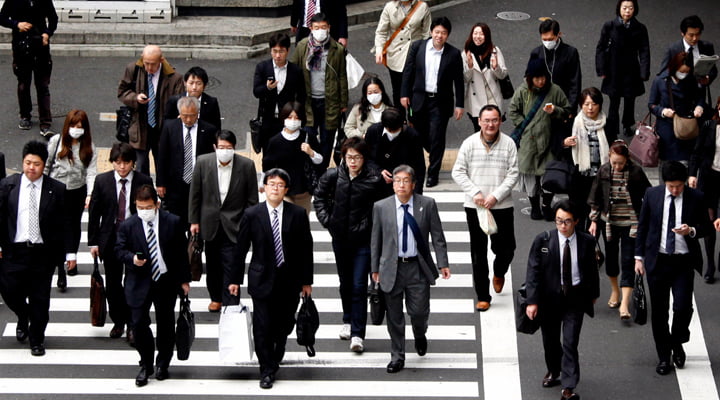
column 644, row 146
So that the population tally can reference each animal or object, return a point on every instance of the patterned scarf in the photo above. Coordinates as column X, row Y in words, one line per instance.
column 313, row 62
column 581, row 151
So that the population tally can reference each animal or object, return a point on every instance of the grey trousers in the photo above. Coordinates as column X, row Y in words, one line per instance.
column 411, row 284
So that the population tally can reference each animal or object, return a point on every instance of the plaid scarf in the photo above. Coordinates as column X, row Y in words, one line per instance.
column 313, row 61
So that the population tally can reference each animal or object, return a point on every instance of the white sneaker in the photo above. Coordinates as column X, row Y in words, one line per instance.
column 345, row 332
column 356, row 344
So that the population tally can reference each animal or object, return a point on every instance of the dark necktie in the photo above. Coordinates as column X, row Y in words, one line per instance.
column 670, row 238
column 691, row 58
column 152, row 246
column 122, row 201
column 188, row 157
column 406, row 214
column 567, row 268
column 151, row 102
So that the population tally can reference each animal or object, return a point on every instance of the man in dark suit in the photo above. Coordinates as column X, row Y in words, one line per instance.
column 691, row 29
column 224, row 184
column 430, row 92
column 196, row 80
column 672, row 219
column 181, row 142
column 33, row 240
column 304, row 10
column 562, row 284
column 280, row 270
column 276, row 83
column 112, row 202
column 151, row 246
column 400, row 260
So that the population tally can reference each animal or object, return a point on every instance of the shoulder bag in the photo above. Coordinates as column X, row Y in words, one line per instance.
column 644, row 146
column 397, row 31
column 684, row 128
column 54, row 155
column 516, row 134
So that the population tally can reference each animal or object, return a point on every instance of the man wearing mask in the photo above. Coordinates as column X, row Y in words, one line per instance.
column 224, row 184
column 304, row 10
column 196, row 80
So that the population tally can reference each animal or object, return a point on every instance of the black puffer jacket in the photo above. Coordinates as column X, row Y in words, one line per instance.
column 344, row 206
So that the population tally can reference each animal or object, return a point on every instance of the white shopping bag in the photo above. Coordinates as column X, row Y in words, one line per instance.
column 235, row 338
column 354, row 71
column 487, row 222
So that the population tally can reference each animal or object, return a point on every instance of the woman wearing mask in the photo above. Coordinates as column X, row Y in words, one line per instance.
column 589, row 148
column 622, row 60
column 392, row 38
column 533, row 107
column 484, row 67
column 72, row 160
column 704, row 174
column 686, row 101
column 292, row 150
column 369, row 109
column 615, row 199
column 343, row 202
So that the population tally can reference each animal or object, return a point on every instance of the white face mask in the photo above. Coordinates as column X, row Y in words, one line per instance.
column 319, row 34
column 550, row 44
column 292, row 124
column 681, row 75
column 146, row 215
column 224, row 155
column 374, row 98
column 76, row 133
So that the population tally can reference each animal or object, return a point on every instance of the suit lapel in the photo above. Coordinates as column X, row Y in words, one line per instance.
column 215, row 186
column 46, row 198
column 234, row 177
column 13, row 202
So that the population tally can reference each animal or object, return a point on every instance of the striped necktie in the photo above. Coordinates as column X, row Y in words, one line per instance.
column 310, row 12
column 279, row 257
column 34, row 221
column 152, row 246
column 188, row 158
column 151, row 103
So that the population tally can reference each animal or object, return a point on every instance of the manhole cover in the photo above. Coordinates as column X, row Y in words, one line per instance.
column 513, row 15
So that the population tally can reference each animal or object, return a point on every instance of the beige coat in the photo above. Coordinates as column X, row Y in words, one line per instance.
column 354, row 126
column 475, row 93
column 417, row 28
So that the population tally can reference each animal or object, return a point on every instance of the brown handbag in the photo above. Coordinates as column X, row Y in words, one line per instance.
column 98, row 305
column 397, row 32
column 684, row 128
column 644, row 146
column 194, row 250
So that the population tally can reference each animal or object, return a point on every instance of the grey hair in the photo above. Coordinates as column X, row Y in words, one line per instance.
column 405, row 168
column 188, row 101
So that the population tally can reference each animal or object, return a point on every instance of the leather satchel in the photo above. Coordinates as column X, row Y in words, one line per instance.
column 523, row 323
column 185, row 329
column 98, row 305
column 639, row 302
column 195, row 249
column 377, row 304
column 308, row 322
column 644, row 146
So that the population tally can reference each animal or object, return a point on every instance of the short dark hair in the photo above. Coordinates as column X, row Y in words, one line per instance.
column 198, row 72
column 441, row 21
column 226, row 135
column 692, row 21
column 122, row 151
column 37, row 148
column 146, row 192
column 567, row 206
column 549, row 25
column 490, row 107
column 291, row 106
column 674, row 171
column 356, row 143
column 277, row 173
column 319, row 17
column 592, row 92
column 620, row 148
column 406, row 169
column 280, row 39
column 392, row 119
column 636, row 7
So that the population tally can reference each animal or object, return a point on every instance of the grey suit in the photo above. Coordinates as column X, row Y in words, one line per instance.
column 411, row 279
column 220, row 221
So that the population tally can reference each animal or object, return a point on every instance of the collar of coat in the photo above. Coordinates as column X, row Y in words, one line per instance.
column 167, row 69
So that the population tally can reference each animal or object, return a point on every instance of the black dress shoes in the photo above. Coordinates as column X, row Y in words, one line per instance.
column 21, row 332
column 663, row 368
column 72, row 272
column 678, row 356
column 395, row 366
column 62, row 283
column 431, row 182
column 130, row 337
column 161, row 373
column 568, row 394
column 550, row 380
column 709, row 279
column 142, row 376
column 421, row 345
column 37, row 350
column 117, row 331
column 267, row 381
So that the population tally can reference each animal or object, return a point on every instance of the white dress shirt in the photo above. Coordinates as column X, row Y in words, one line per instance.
column 680, row 245
column 22, row 233
column 155, row 79
column 400, row 215
column 432, row 66
column 156, row 227
column 118, row 187
column 573, row 257
column 224, row 175
column 695, row 52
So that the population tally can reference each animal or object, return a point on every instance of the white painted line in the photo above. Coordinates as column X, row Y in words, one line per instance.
column 293, row 359
column 108, row 116
column 237, row 387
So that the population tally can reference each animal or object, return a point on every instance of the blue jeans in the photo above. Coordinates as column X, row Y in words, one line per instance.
column 353, row 266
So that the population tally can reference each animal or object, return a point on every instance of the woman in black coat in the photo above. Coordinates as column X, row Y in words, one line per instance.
column 343, row 202
column 622, row 59
column 704, row 174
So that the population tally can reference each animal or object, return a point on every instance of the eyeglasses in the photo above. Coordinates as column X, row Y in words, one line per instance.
column 490, row 121
column 402, row 181
column 358, row 157
column 566, row 222
column 276, row 185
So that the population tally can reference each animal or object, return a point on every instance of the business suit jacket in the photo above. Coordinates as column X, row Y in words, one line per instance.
column 209, row 109
column 704, row 47
column 53, row 217
column 293, row 90
column 450, row 75
column 102, row 223
column 205, row 206
column 694, row 213
column 131, row 239
column 171, row 157
column 335, row 10
column 384, row 245
column 297, row 246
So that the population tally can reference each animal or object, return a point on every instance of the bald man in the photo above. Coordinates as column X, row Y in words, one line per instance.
column 145, row 87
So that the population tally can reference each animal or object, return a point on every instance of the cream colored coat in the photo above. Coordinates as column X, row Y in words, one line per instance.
column 475, row 94
column 416, row 29
column 354, row 126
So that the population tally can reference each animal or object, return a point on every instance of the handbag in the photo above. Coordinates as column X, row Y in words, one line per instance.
column 506, row 87
column 397, row 31
column 194, row 250
column 308, row 322
column 235, row 341
column 256, row 130
column 310, row 172
column 354, row 71
column 98, row 305
column 639, row 302
column 558, row 176
column 644, row 146
column 487, row 221
column 377, row 304
column 599, row 255
column 523, row 323
column 124, row 116
column 684, row 128
column 185, row 329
